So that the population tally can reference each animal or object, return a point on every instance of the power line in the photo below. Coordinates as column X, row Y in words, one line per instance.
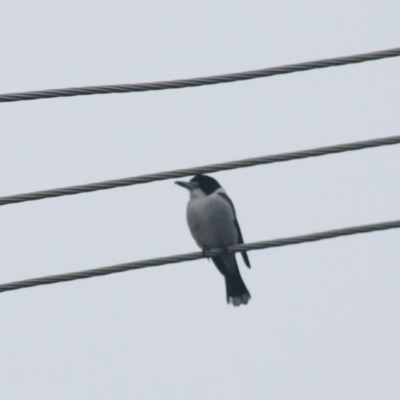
column 179, row 173
column 210, row 80
column 47, row 280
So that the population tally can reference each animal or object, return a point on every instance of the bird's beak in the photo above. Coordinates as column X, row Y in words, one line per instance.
column 187, row 185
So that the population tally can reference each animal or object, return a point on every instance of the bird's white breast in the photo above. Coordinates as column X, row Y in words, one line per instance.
column 210, row 219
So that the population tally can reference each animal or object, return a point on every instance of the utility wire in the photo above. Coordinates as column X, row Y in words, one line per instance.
column 179, row 173
column 47, row 280
column 210, row 80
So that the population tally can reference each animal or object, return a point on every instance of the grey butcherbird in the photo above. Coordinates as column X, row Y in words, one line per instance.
column 212, row 222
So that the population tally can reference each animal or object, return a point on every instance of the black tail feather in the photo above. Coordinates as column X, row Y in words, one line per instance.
column 236, row 291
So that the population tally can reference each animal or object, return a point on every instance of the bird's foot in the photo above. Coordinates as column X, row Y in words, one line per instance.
column 204, row 254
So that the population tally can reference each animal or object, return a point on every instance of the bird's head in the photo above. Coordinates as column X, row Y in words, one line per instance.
column 200, row 185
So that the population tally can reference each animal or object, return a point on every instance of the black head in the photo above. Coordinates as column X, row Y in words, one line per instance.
column 207, row 184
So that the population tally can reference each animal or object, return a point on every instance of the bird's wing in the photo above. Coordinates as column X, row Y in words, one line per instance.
column 236, row 223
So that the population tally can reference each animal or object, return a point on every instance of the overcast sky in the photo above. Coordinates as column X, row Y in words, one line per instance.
column 323, row 321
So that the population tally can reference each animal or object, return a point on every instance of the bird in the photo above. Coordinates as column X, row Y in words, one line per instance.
column 212, row 221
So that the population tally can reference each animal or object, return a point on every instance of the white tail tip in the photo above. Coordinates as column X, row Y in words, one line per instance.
column 238, row 300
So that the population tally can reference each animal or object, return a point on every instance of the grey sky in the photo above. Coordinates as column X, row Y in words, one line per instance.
column 323, row 322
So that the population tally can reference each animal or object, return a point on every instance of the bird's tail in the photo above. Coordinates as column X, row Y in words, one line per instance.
column 236, row 290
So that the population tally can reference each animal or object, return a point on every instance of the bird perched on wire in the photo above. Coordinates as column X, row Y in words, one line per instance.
column 213, row 224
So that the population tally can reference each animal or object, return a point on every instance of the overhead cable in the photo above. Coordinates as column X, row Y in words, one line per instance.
column 91, row 273
column 210, row 80
column 179, row 173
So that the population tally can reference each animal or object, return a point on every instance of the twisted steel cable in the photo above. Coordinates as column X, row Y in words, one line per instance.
column 210, row 80
column 179, row 173
column 47, row 280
